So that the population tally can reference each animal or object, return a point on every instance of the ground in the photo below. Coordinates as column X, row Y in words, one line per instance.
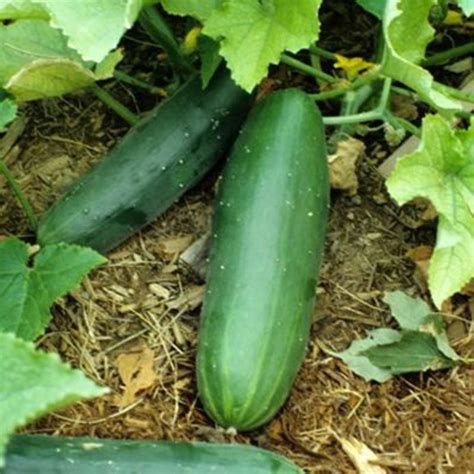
column 144, row 304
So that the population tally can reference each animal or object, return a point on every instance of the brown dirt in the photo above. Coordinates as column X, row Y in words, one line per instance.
column 422, row 423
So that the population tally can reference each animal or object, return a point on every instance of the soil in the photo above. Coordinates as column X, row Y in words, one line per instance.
column 144, row 299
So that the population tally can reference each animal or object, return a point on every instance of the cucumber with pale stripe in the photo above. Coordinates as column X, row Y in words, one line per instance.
column 160, row 158
column 268, row 238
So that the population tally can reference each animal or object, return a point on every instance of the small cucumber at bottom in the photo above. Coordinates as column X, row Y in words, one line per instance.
column 160, row 158
column 38, row 454
column 268, row 238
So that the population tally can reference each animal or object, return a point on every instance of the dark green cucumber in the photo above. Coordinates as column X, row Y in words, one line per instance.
column 168, row 152
column 36, row 454
column 268, row 238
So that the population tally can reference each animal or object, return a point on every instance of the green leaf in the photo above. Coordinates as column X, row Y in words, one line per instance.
column 422, row 344
column 200, row 9
column 254, row 34
column 8, row 110
column 92, row 30
column 414, row 352
column 413, row 314
column 210, row 58
column 407, row 32
column 35, row 62
column 26, row 294
column 95, row 28
column 361, row 364
column 376, row 7
column 34, row 383
column 409, row 312
column 22, row 10
column 467, row 6
column 442, row 170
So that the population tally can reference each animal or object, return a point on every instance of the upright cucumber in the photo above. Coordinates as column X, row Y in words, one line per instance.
column 36, row 454
column 268, row 238
column 156, row 162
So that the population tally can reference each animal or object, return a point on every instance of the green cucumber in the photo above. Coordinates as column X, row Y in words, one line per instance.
column 268, row 238
column 165, row 154
column 37, row 454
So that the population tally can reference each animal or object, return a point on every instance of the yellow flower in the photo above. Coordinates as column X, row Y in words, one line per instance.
column 351, row 66
column 190, row 40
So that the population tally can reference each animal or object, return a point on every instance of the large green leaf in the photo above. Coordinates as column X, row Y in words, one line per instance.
column 35, row 62
column 467, row 6
column 442, row 170
column 407, row 32
column 200, row 9
column 92, row 28
column 26, row 294
column 34, row 383
column 254, row 34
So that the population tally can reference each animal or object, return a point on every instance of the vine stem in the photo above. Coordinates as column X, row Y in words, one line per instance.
column 376, row 114
column 22, row 199
column 133, row 81
column 312, row 71
column 158, row 30
column 324, row 53
column 373, row 75
column 445, row 56
column 115, row 105
column 453, row 92
column 400, row 122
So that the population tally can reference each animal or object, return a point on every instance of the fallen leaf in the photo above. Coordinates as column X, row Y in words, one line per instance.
column 189, row 300
column 362, row 456
column 137, row 372
column 342, row 165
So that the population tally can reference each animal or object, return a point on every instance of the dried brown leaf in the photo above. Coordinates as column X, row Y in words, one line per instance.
column 136, row 369
column 342, row 165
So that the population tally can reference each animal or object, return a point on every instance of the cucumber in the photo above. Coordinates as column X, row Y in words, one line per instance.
column 37, row 454
column 268, row 238
column 161, row 157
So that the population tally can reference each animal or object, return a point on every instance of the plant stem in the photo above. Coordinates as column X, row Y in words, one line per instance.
column 15, row 187
column 355, row 118
column 315, row 50
column 357, row 84
column 402, row 91
column 385, row 95
column 400, row 122
column 295, row 63
column 133, row 81
column 453, row 92
column 376, row 114
column 159, row 31
column 115, row 105
column 445, row 56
